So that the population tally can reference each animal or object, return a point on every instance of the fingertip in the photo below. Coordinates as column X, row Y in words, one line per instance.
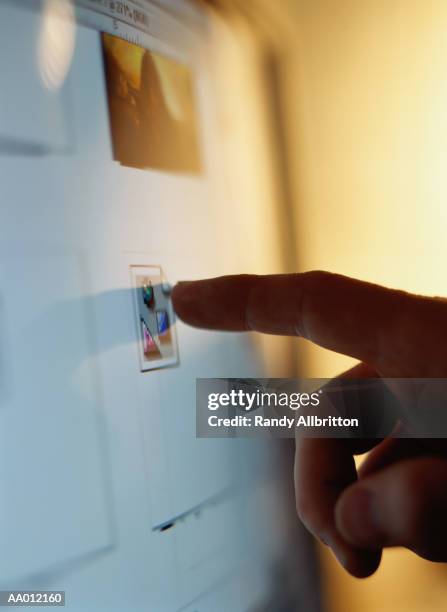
column 358, row 562
column 362, row 563
column 213, row 303
column 179, row 291
column 357, row 519
column 182, row 297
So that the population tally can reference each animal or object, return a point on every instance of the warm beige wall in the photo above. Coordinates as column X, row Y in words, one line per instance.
column 366, row 103
column 367, row 115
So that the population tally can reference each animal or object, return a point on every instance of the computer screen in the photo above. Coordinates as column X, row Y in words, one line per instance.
column 111, row 173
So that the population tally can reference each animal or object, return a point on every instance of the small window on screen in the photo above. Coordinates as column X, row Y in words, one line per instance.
column 151, row 108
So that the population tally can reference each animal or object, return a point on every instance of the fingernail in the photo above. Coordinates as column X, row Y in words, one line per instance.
column 340, row 556
column 324, row 539
column 333, row 542
column 328, row 540
column 358, row 516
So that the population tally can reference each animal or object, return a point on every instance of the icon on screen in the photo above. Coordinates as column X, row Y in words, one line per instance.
column 164, row 334
column 150, row 348
column 156, row 334
column 152, row 108
column 148, row 294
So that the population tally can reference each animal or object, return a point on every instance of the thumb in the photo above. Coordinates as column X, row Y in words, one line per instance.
column 402, row 505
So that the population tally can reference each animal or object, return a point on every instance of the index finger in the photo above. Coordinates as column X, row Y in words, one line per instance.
column 339, row 313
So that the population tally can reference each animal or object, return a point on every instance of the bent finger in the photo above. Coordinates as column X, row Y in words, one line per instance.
column 324, row 468
column 402, row 505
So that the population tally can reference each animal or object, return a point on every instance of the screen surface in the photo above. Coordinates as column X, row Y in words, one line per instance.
column 108, row 129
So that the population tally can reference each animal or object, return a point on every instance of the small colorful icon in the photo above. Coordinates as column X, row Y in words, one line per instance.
column 157, row 342
column 164, row 334
column 150, row 348
column 148, row 295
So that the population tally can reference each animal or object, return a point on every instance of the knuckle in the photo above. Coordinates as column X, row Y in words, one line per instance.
column 316, row 278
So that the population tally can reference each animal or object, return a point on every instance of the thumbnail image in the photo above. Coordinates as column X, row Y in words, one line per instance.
column 148, row 292
column 151, row 108
column 164, row 333
column 150, row 348
column 156, row 338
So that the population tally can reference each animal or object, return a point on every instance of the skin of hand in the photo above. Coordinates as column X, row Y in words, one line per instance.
column 398, row 497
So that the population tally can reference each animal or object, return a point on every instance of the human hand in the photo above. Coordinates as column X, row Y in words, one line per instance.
column 399, row 495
